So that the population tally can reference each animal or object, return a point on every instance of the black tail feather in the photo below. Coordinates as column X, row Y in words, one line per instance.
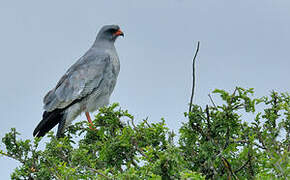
column 49, row 120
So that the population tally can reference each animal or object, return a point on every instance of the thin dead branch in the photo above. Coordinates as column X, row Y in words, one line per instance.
column 193, row 77
column 212, row 101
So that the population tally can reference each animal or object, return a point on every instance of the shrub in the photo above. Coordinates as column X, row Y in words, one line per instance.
column 217, row 142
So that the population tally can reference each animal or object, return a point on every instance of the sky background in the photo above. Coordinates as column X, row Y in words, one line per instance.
column 243, row 43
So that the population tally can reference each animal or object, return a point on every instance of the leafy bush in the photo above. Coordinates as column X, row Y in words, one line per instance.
column 215, row 143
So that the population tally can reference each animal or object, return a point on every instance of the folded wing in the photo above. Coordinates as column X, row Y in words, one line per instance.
column 80, row 81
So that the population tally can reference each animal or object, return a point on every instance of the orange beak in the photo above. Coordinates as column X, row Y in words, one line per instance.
column 119, row 33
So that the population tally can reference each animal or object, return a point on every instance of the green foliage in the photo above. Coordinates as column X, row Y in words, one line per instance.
column 217, row 142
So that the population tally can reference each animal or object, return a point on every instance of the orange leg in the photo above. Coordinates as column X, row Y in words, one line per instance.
column 90, row 120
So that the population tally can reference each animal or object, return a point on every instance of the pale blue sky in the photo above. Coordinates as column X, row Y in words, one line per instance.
column 243, row 43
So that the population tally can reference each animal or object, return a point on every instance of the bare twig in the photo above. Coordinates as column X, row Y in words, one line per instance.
column 193, row 77
column 212, row 101
column 145, row 120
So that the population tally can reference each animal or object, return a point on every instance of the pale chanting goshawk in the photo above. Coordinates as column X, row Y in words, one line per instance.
column 86, row 86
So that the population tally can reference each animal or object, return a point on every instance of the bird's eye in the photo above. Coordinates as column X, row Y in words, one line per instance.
column 112, row 31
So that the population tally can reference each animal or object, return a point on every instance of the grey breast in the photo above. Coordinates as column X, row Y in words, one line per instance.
column 101, row 95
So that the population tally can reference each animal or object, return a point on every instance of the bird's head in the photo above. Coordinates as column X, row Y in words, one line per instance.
column 110, row 33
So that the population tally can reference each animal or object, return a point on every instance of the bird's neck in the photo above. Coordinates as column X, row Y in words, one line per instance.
column 100, row 43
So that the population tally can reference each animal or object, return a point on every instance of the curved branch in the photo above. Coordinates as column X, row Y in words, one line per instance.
column 193, row 77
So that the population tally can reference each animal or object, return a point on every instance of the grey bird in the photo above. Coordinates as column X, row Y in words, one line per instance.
column 86, row 86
